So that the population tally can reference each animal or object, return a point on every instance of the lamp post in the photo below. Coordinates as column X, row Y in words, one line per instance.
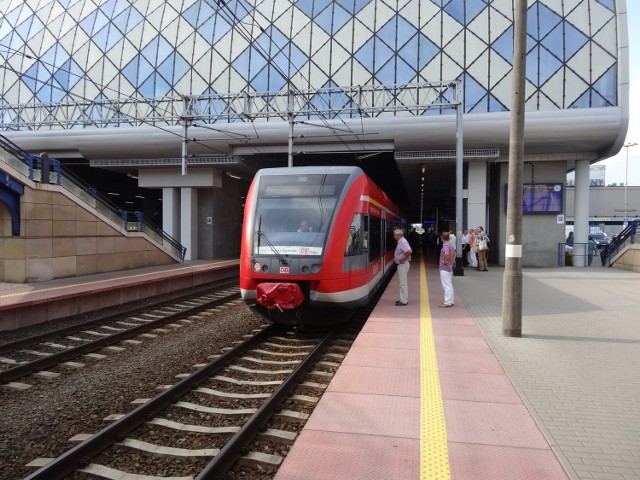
column 626, row 179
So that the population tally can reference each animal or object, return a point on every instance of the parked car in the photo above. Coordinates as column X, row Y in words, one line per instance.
column 601, row 239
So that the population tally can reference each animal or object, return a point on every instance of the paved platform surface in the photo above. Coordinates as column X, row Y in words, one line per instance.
column 577, row 364
column 562, row 401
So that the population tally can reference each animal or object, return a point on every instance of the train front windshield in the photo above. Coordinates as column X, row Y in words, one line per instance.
column 294, row 212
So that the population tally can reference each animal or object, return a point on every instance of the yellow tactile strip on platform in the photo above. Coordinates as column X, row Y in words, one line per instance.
column 434, row 455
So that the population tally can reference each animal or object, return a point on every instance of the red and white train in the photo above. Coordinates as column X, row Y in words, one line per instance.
column 317, row 242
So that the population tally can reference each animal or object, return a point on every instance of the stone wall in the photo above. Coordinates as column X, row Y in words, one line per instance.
column 59, row 237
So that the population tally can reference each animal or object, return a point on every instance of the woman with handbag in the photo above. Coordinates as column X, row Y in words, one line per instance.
column 473, row 250
column 482, row 244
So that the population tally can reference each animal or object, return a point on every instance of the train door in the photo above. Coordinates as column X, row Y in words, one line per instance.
column 384, row 243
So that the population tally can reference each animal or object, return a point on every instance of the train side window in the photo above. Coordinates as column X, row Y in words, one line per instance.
column 365, row 236
column 375, row 238
column 354, row 238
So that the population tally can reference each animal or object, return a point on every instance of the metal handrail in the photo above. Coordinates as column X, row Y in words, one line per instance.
column 624, row 238
column 35, row 167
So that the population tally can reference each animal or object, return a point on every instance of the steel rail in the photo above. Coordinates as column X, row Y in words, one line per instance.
column 238, row 445
column 109, row 317
column 80, row 456
column 74, row 352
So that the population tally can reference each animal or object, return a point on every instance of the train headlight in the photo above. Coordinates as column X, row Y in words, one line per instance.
column 315, row 268
column 305, row 269
column 257, row 267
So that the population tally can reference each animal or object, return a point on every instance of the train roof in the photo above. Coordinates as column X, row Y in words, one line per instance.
column 310, row 170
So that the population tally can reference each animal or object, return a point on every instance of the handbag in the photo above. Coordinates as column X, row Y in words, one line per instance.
column 481, row 245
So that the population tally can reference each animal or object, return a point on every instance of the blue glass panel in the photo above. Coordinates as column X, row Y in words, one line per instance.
column 549, row 65
column 5, row 29
column 610, row 4
column 241, row 63
column 583, row 101
column 165, row 69
column 382, row 53
column 574, row 40
column 162, row 87
column 531, row 43
column 532, row 66
column 164, row 49
column 112, row 36
column 360, row 4
column 95, row 22
column 387, row 73
column 388, row 33
column 111, row 8
column 260, row 83
column 473, row 92
column 606, row 85
column 479, row 107
column 130, row 71
column 554, row 41
column 297, row 58
column 257, row 62
column 127, row 20
column 191, row 14
column 29, row 28
column 305, row 6
column 50, row 93
column 598, row 101
column 157, row 50
column 281, row 61
column 496, row 105
column 324, row 20
column 428, row 51
column 365, row 55
column 30, row 77
column 405, row 73
column 276, row 81
column 474, row 8
column 69, row 74
column 455, row 8
column 547, row 20
column 147, row 88
column 101, row 39
column 340, row 17
column 403, row 32
column 222, row 26
column 503, row 45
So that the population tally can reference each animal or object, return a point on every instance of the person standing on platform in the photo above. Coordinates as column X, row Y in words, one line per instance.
column 592, row 246
column 447, row 257
column 473, row 250
column 482, row 242
column 465, row 247
column 402, row 257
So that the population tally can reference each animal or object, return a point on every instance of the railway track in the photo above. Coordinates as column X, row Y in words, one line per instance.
column 239, row 410
column 36, row 354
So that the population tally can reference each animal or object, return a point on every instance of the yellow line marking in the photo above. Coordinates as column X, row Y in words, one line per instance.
column 434, row 455
column 96, row 282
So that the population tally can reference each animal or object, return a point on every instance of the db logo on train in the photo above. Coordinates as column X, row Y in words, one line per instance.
column 284, row 270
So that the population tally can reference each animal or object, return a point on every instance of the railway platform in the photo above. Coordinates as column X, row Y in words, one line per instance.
column 440, row 393
column 23, row 305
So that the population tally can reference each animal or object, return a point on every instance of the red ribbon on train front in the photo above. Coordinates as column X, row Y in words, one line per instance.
column 283, row 296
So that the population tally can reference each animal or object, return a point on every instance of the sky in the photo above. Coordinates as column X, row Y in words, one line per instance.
column 615, row 171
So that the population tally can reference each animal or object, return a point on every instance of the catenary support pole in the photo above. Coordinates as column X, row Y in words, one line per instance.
column 512, row 280
column 458, row 269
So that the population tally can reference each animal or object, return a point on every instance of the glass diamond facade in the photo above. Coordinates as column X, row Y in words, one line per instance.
column 70, row 50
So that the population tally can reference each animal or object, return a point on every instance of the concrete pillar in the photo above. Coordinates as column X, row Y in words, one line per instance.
column 188, row 222
column 477, row 199
column 171, row 212
column 581, row 213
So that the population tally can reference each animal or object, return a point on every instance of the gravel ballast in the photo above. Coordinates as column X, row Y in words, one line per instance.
column 39, row 422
